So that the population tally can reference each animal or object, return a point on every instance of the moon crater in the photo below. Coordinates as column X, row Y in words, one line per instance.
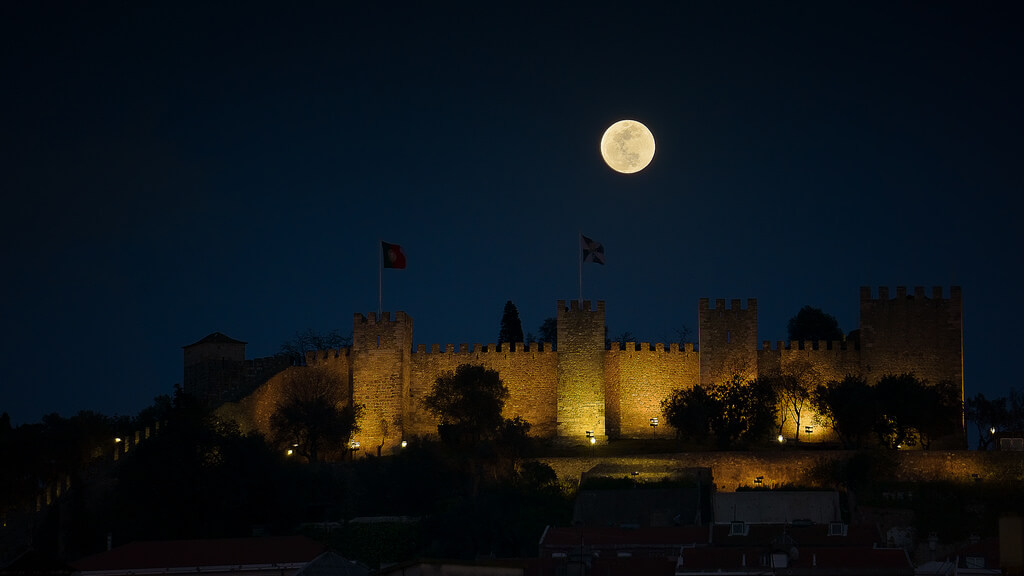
column 627, row 146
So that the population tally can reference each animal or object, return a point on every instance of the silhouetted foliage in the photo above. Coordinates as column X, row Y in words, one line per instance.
column 201, row 478
column 468, row 402
column 548, row 331
column 296, row 348
column 736, row 413
column 747, row 415
column 511, row 327
column 848, row 408
column 313, row 419
column 793, row 396
column 988, row 416
column 689, row 411
column 811, row 324
column 912, row 412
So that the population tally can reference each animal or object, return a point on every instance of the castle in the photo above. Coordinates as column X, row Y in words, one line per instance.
column 586, row 388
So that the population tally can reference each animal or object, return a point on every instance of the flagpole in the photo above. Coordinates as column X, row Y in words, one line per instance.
column 380, row 278
column 579, row 252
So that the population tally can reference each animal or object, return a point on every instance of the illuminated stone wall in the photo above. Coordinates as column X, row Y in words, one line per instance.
column 731, row 470
column 912, row 332
column 528, row 372
column 381, row 368
column 580, row 368
column 636, row 381
column 727, row 340
column 584, row 387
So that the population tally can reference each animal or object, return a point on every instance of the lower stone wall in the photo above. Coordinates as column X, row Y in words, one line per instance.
column 731, row 470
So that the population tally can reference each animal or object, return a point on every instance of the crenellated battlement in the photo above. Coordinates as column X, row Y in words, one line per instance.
column 659, row 347
column 317, row 356
column 590, row 388
column 919, row 293
column 574, row 306
column 385, row 318
column 477, row 349
column 734, row 304
column 807, row 345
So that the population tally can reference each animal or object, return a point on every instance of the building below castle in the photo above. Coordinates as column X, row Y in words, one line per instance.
column 587, row 388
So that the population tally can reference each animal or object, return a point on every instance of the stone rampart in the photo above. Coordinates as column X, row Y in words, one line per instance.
column 584, row 387
column 731, row 470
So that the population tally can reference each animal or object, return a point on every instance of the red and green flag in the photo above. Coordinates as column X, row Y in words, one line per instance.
column 393, row 256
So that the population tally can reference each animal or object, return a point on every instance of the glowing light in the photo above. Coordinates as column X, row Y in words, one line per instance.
column 289, row 452
column 781, row 438
column 593, row 440
column 627, row 146
column 118, row 440
column 404, row 443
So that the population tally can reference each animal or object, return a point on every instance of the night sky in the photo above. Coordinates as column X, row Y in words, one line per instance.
column 170, row 171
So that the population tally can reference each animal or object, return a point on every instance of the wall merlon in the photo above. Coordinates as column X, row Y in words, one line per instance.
column 901, row 292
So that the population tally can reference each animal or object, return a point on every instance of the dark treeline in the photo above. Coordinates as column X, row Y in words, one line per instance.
column 471, row 494
column 899, row 411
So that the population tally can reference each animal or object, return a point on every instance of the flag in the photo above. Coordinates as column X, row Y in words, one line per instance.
column 393, row 256
column 592, row 251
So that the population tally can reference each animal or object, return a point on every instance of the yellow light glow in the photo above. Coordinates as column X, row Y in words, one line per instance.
column 593, row 440
column 627, row 146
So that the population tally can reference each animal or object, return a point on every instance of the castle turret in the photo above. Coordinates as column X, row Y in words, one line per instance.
column 581, row 408
column 912, row 332
column 214, row 367
column 381, row 363
column 727, row 341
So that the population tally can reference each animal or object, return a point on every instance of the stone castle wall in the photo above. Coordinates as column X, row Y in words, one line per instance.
column 583, row 387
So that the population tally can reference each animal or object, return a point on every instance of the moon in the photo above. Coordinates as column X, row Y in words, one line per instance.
column 627, row 146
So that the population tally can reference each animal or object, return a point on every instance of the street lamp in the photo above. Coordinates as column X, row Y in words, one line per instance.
column 352, row 447
column 591, row 438
column 654, row 426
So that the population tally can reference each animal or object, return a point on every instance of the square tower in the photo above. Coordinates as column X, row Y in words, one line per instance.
column 580, row 388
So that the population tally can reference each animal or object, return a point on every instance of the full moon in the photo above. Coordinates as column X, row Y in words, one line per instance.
column 627, row 146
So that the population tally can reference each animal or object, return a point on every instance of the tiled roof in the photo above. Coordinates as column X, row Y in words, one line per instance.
column 802, row 535
column 215, row 338
column 822, row 560
column 197, row 553
column 560, row 537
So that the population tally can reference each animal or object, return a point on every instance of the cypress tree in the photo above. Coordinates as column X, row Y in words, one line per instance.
column 511, row 327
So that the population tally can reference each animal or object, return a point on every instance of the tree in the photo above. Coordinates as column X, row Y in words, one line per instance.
column 747, row 411
column 793, row 395
column 989, row 417
column 847, row 406
column 548, row 331
column 313, row 417
column 811, row 324
column 735, row 412
column 468, row 403
column 689, row 411
column 310, row 341
column 898, row 398
column 511, row 328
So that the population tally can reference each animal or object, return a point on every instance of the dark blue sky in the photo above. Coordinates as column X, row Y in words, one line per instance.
column 170, row 171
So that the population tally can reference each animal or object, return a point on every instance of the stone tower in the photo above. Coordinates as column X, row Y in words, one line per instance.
column 727, row 341
column 214, row 367
column 381, row 362
column 917, row 333
column 580, row 387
